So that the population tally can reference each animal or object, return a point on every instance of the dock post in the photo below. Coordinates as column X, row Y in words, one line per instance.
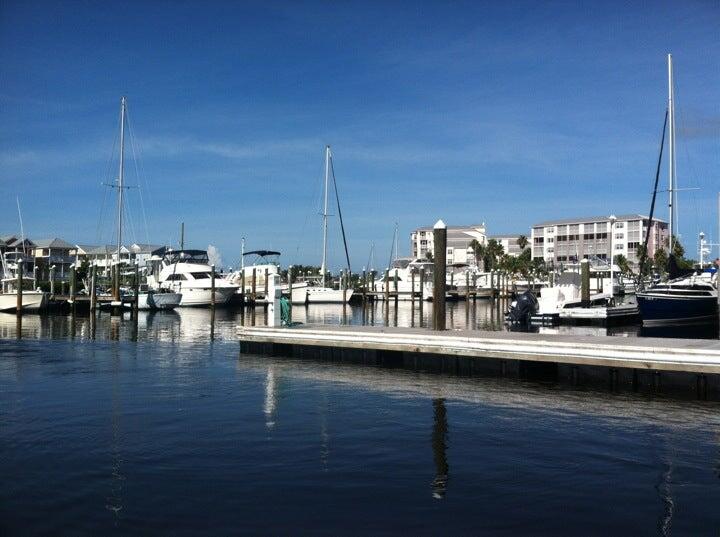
column 452, row 279
column 290, row 282
column 212, row 286
column 364, row 286
column 266, row 283
column 35, row 271
column 136, row 286
column 422, row 295
column 73, row 283
column 412, row 292
column 467, row 299
column 387, row 285
column 585, row 282
column 475, row 286
column 19, row 303
column 439, row 255
column 396, row 287
column 93, row 288
column 373, row 278
column 344, row 285
column 254, row 284
column 492, row 284
column 52, row 280
column 242, row 287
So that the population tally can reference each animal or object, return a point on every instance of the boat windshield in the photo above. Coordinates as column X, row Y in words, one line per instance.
column 200, row 275
column 196, row 257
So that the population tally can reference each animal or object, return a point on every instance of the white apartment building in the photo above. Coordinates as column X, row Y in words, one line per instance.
column 572, row 239
column 458, row 242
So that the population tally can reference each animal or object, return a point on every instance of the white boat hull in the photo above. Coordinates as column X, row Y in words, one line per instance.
column 158, row 301
column 325, row 295
column 31, row 301
column 197, row 296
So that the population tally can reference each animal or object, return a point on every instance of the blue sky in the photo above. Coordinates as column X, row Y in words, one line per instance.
column 505, row 112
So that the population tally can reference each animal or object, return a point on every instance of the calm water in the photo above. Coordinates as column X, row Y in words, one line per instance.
column 152, row 429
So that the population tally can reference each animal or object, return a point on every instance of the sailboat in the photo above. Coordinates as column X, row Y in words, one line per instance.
column 687, row 298
column 324, row 293
column 148, row 299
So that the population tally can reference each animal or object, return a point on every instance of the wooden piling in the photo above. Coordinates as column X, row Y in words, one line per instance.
column 585, row 282
column 387, row 285
column 412, row 293
column 267, row 299
column 254, row 284
column 93, row 288
column 422, row 294
column 364, row 286
column 395, row 278
column 52, row 280
column 212, row 286
column 242, row 287
column 73, row 283
column 35, row 271
column 440, row 247
column 19, row 303
column 136, row 288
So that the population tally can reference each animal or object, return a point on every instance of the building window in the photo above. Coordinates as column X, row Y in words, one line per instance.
column 551, row 239
column 618, row 246
column 539, row 240
column 619, row 235
column 619, row 225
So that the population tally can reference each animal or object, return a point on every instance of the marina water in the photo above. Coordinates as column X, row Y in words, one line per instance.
column 117, row 427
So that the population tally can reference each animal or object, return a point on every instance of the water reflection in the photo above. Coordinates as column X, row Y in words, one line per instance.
column 202, row 325
column 439, row 446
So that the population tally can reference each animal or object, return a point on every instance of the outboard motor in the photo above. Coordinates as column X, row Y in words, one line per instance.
column 522, row 308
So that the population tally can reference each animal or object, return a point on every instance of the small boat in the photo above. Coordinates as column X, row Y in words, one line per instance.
column 157, row 299
column 253, row 277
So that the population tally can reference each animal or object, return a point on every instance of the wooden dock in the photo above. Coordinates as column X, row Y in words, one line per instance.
column 653, row 364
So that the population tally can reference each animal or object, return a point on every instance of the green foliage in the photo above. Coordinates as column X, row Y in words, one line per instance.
column 623, row 264
column 522, row 242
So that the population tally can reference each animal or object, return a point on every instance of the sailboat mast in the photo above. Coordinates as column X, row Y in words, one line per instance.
column 396, row 241
column 120, row 177
column 323, row 267
column 671, row 157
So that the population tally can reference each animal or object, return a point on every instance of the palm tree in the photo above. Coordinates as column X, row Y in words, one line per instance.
column 479, row 253
column 522, row 242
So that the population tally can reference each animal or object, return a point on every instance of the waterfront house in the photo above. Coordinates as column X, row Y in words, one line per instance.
column 54, row 252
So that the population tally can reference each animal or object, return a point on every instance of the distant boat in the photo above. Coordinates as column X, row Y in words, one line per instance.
column 188, row 272
column 685, row 298
column 32, row 299
column 157, row 299
column 324, row 294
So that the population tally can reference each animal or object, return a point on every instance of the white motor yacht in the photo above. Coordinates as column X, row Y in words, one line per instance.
column 189, row 273
column 402, row 270
column 32, row 299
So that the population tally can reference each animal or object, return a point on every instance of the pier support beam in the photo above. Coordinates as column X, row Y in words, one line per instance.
column 440, row 247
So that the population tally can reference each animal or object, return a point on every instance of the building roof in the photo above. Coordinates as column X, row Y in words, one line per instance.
column 505, row 236
column 590, row 219
column 138, row 248
column 455, row 228
column 52, row 243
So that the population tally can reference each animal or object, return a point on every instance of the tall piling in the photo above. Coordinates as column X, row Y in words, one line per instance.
column 422, row 294
column 212, row 286
column 254, row 284
column 19, row 303
column 93, row 288
column 136, row 288
column 585, row 282
column 440, row 248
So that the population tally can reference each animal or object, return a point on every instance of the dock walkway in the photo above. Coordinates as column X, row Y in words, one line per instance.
column 689, row 363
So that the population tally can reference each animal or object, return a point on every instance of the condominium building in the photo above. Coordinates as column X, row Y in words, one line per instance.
column 459, row 239
column 572, row 239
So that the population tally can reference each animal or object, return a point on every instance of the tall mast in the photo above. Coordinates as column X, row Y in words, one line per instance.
column 120, row 176
column 671, row 158
column 396, row 241
column 323, row 267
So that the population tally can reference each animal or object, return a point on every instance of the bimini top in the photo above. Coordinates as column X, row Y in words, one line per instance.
column 262, row 253
column 198, row 257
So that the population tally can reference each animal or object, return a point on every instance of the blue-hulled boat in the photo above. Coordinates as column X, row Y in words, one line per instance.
column 683, row 300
